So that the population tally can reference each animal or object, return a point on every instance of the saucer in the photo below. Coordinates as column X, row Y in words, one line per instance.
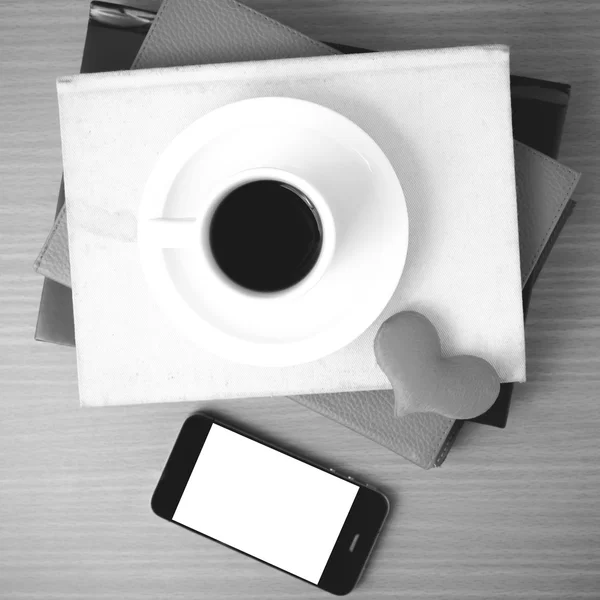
column 333, row 157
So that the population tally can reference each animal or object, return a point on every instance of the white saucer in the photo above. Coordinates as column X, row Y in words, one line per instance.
column 337, row 160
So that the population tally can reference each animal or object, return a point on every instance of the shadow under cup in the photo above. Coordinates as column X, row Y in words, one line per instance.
column 266, row 235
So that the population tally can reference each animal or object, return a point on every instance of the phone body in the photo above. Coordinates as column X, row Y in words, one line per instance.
column 269, row 504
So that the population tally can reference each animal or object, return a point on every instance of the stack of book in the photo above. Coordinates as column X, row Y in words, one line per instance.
column 119, row 38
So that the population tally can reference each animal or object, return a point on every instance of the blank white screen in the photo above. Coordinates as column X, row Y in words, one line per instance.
column 265, row 503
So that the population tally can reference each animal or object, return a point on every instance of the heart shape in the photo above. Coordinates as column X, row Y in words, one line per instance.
column 407, row 348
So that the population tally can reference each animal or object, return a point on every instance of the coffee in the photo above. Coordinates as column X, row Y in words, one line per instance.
column 265, row 235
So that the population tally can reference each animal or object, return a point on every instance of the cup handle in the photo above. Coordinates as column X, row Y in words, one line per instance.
column 172, row 232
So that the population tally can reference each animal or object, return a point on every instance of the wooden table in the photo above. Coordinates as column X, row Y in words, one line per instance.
column 513, row 513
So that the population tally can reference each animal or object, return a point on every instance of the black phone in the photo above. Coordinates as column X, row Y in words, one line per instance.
column 262, row 501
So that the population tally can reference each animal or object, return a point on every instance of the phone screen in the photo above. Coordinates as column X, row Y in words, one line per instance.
column 265, row 503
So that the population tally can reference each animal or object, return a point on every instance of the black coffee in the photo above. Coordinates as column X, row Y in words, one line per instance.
column 265, row 236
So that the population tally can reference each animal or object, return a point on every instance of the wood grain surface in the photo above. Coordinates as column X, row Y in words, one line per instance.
column 512, row 513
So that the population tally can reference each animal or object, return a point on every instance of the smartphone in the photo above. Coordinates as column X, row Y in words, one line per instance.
column 262, row 501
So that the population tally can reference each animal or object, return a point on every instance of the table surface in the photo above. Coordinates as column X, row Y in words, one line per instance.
column 512, row 512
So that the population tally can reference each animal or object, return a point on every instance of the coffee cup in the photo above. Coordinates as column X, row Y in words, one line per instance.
column 264, row 233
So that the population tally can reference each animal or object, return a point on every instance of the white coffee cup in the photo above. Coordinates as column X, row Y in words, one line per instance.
column 192, row 232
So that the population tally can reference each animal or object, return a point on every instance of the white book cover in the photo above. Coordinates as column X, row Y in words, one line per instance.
column 442, row 117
